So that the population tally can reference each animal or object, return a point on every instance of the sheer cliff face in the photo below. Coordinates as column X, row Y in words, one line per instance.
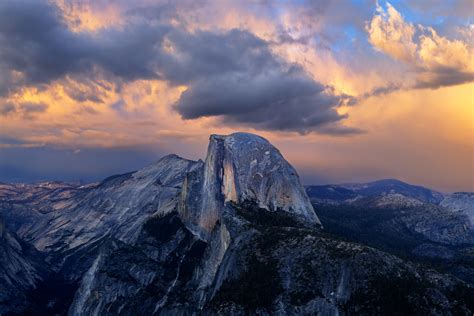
column 243, row 167
column 254, row 170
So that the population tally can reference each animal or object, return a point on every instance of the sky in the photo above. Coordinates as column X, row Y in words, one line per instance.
column 348, row 90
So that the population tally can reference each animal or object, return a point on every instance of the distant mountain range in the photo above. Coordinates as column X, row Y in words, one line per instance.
column 343, row 192
column 236, row 234
column 413, row 222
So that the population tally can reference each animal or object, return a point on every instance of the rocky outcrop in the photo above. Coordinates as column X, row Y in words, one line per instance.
column 242, row 167
column 237, row 168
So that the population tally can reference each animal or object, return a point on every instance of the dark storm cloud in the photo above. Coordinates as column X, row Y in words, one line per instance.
column 235, row 77
column 82, row 96
column 205, row 54
column 35, row 41
column 232, row 75
column 275, row 99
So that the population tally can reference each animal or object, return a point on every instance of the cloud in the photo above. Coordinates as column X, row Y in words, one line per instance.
column 82, row 57
column 235, row 77
column 232, row 75
column 33, row 42
column 276, row 99
column 27, row 109
column 14, row 142
column 7, row 108
column 36, row 43
column 389, row 33
column 437, row 60
column 30, row 107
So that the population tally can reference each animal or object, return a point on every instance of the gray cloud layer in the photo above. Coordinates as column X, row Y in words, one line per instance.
column 244, row 83
column 232, row 75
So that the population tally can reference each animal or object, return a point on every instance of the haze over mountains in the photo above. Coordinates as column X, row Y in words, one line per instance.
column 236, row 233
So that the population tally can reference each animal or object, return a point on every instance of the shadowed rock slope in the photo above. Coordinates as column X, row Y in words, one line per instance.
column 21, row 269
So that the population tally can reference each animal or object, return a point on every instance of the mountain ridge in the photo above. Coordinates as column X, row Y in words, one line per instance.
column 385, row 186
column 234, row 233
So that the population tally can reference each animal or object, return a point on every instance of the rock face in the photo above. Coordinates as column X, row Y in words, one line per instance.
column 234, row 234
column 117, row 206
column 242, row 167
column 20, row 271
column 294, row 270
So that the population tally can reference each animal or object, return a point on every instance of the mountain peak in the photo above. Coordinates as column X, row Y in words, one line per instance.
column 240, row 136
column 243, row 167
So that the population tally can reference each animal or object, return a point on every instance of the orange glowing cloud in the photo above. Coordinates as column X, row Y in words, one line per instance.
column 438, row 60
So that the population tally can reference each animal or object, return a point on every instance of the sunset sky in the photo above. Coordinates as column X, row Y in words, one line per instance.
column 349, row 91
